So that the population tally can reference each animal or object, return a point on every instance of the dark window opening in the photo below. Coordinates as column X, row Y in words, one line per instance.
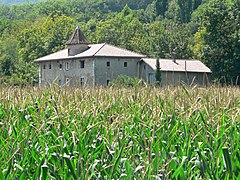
column 82, row 81
column 108, row 64
column 50, row 66
column 144, row 67
column 82, row 64
column 108, row 81
column 60, row 66
column 67, row 66
column 125, row 64
column 44, row 66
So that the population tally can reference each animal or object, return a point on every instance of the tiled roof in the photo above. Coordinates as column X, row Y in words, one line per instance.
column 179, row 65
column 114, row 51
column 95, row 50
column 77, row 38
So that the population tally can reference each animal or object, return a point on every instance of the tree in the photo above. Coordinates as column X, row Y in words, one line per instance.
column 196, row 3
column 161, row 7
column 173, row 12
column 166, row 35
column 123, row 29
column 158, row 72
column 32, row 30
column 219, row 36
column 45, row 37
column 8, row 56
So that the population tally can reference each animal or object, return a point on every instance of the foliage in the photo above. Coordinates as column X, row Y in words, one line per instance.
column 51, row 36
column 126, row 81
column 218, row 41
column 117, row 133
column 167, row 37
column 45, row 36
column 10, row 2
column 191, row 29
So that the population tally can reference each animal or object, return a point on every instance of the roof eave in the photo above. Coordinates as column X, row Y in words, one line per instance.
column 185, row 71
column 112, row 56
column 69, row 58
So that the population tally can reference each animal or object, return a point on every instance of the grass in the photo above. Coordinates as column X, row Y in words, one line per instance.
column 126, row 133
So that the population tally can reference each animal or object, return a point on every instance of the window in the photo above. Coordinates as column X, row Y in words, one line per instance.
column 82, row 64
column 144, row 67
column 50, row 66
column 60, row 66
column 67, row 65
column 44, row 66
column 108, row 81
column 67, row 81
column 108, row 64
column 82, row 81
column 125, row 64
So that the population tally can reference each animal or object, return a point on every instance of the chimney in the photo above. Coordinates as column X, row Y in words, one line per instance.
column 77, row 43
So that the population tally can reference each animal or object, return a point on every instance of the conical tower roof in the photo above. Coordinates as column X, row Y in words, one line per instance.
column 77, row 38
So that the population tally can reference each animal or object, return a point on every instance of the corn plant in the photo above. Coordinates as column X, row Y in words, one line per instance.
column 120, row 133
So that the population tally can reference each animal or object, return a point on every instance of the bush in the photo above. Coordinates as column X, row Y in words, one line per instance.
column 126, row 81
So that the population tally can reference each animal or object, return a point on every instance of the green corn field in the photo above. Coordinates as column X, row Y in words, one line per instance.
column 120, row 133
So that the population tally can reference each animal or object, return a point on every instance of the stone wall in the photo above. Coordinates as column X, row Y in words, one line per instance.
column 107, row 69
column 174, row 78
column 67, row 72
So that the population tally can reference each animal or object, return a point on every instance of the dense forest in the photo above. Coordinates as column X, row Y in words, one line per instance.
column 194, row 29
column 11, row 2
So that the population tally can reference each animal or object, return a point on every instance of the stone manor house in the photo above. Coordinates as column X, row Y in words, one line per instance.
column 85, row 64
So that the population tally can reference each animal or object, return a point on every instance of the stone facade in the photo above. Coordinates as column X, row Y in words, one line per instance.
column 86, row 72
column 174, row 77
column 67, row 72
column 107, row 69
column 84, row 64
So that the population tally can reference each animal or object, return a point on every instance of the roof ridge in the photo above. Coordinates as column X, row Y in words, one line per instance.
column 77, row 37
column 103, row 44
column 126, row 50
column 168, row 59
column 168, row 65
